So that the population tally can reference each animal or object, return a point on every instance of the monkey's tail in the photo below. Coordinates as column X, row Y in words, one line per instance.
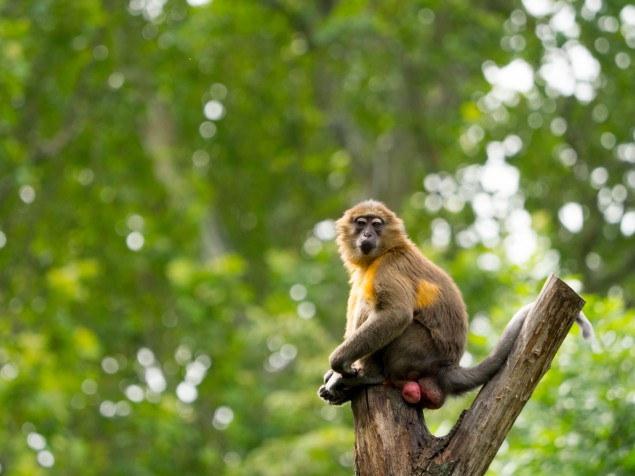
column 585, row 326
column 457, row 380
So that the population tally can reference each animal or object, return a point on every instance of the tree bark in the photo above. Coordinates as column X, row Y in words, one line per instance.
column 391, row 437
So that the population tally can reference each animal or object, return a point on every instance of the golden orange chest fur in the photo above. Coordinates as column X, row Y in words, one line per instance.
column 363, row 295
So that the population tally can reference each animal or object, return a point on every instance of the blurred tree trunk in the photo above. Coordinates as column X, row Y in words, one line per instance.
column 391, row 437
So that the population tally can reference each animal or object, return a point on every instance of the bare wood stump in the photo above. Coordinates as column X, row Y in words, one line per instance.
column 391, row 437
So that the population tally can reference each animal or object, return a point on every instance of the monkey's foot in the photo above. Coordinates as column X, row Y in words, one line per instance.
column 334, row 391
column 333, row 397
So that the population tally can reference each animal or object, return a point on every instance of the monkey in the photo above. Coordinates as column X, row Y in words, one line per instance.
column 406, row 321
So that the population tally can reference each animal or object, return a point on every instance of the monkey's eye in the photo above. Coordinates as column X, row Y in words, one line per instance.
column 361, row 223
column 377, row 223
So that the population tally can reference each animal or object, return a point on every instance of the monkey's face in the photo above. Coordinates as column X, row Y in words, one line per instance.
column 366, row 231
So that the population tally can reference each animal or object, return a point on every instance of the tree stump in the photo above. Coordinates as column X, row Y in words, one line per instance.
column 391, row 437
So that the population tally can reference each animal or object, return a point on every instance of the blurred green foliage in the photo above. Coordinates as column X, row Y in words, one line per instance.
column 169, row 285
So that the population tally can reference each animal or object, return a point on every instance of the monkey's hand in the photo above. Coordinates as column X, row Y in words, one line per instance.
column 328, row 375
column 342, row 366
column 335, row 391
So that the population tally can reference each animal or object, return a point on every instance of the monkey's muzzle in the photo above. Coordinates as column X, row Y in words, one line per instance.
column 367, row 246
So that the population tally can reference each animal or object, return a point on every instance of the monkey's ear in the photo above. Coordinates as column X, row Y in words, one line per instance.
column 342, row 225
column 399, row 224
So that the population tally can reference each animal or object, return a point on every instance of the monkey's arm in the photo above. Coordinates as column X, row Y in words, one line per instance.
column 390, row 311
column 381, row 328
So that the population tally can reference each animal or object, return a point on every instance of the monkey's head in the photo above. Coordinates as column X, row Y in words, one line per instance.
column 367, row 231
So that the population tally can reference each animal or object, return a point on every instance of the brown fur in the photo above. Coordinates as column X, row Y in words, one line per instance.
column 399, row 284
column 406, row 320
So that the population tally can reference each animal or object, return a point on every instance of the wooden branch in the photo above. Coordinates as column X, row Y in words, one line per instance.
column 391, row 437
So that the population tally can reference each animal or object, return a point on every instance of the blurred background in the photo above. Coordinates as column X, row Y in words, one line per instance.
column 170, row 171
